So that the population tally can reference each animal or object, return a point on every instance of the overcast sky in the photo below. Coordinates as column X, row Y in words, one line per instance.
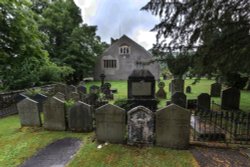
column 117, row 17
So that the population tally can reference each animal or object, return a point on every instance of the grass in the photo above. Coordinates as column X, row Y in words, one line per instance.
column 18, row 144
column 203, row 86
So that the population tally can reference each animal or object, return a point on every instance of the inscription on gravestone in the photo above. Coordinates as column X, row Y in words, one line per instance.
column 110, row 124
column 54, row 114
column 172, row 127
column 140, row 126
column 28, row 112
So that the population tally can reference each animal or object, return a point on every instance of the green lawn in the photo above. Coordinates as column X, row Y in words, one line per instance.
column 203, row 86
column 18, row 144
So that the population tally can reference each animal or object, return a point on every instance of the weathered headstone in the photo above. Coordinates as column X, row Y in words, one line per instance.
column 40, row 98
column 188, row 89
column 215, row 90
column 28, row 112
column 204, row 101
column 161, row 93
column 110, row 123
column 179, row 99
column 82, row 89
column 172, row 127
column 177, row 85
column 230, row 99
column 75, row 96
column 80, row 117
column 20, row 97
column 94, row 89
column 60, row 96
column 54, row 114
column 140, row 126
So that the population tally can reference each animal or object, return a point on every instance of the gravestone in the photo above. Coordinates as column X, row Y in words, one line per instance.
column 140, row 126
column 94, row 89
column 177, row 85
column 230, row 99
column 60, row 96
column 161, row 92
column 40, row 98
column 110, row 124
column 172, row 127
column 107, row 92
column 80, row 117
column 75, row 96
column 82, row 89
column 188, row 89
column 20, row 97
column 28, row 112
column 215, row 90
column 61, row 88
column 71, row 88
column 204, row 101
column 141, row 89
column 54, row 114
column 179, row 99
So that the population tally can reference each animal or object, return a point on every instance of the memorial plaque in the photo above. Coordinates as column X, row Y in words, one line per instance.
column 141, row 88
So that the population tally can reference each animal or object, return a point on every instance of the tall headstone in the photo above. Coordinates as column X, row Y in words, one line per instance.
column 40, row 98
column 177, row 85
column 230, row 99
column 54, row 114
column 172, row 127
column 204, row 101
column 140, row 126
column 110, row 123
column 80, row 117
column 179, row 99
column 215, row 90
column 161, row 93
column 28, row 112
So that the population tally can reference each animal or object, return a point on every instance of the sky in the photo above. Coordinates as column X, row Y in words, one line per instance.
column 117, row 17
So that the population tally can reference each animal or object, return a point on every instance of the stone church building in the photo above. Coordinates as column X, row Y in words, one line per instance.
column 122, row 57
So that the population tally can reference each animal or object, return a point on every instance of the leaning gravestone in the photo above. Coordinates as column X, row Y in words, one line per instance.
column 140, row 126
column 172, row 127
column 28, row 112
column 60, row 96
column 230, row 99
column 80, row 117
column 61, row 88
column 215, row 90
column 204, row 101
column 188, row 89
column 40, row 98
column 179, row 99
column 161, row 92
column 177, row 85
column 110, row 123
column 54, row 114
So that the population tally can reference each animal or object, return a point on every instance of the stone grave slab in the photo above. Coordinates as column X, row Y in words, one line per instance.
column 172, row 127
column 54, row 114
column 204, row 101
column 140, row 126
column 110, row 124
column 80, row 117
column 28, row 112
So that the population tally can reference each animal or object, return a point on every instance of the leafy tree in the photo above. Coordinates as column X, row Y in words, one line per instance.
column 218, row 30
column 21, row 50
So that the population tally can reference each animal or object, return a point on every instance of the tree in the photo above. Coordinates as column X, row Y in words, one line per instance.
column 218, row 30
column 21, row 49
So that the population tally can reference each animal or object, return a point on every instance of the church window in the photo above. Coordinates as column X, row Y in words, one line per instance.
column 124, row 49
column 109, row 63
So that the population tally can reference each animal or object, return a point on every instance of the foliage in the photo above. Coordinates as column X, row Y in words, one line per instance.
column 32, row 92
column 54, row 73
column 217, row 30
column 69, row 103
column 236, row 80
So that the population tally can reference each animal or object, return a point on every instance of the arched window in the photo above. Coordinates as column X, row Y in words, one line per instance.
column 124, row 49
